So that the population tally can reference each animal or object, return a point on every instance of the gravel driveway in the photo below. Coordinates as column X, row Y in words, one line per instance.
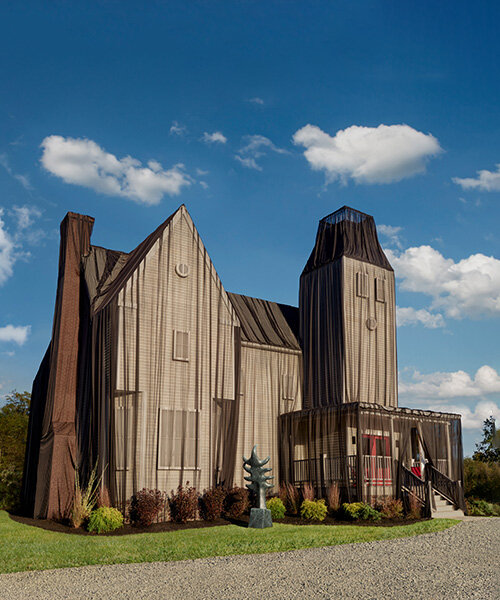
column 461, row 562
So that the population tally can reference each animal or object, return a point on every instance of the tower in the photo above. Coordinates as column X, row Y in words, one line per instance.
column 348, row 315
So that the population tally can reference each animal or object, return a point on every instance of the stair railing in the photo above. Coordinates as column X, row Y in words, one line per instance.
column 451, row 490
column 411, row 484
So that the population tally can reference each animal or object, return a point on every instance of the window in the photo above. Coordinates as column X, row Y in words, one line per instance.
column 288, row 387
column 177, row 441
column 124, row 427
column 379, row 289
column 362, row 285
column 181, row 345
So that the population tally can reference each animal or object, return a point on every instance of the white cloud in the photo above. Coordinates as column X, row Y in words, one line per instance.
column 455, row 384
column 26, row 215
column 255, row 147
column 391, row 233
column 201, row 172
column 411, row 316
column 467, row 288
column 18, row 335
column 83, row 162
column 23, row 179
column 380, row 154
column 204, row 185
column 257, row 100
column 178, row 129
column 488, row 181
column 214, row 138
column 7, row 251
column 249, row 163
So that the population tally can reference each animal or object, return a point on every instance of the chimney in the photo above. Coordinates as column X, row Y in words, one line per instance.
column 57, row 456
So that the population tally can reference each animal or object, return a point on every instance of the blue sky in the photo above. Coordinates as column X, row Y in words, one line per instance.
column 262, row 117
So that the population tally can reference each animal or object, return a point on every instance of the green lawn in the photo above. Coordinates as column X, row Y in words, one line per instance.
column 26, row 548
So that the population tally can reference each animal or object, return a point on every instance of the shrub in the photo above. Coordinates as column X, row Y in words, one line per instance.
column 313, row 510
column 390, row 508
column 145, row 506
column 333, row 497
column 482, row 480
column 290, row 498
column 277, row 508
column 360, row 511
column 10, row 487
column 84, row 499
column 415, row 508
column 481, row 508
column 105, row 519
column 308, row 492
column 236, row 502
column 184, row 503
column 212, row 503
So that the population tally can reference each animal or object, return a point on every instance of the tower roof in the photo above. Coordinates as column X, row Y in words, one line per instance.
column 347, row 232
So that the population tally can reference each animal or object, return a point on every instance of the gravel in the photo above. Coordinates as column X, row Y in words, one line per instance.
column 460, row 562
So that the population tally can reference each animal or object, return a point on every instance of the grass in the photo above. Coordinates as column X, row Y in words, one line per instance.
column 27, row 548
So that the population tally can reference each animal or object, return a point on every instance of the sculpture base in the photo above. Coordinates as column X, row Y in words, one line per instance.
column 260, row 518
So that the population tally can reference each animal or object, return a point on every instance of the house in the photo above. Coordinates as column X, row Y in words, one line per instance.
column 159, row 376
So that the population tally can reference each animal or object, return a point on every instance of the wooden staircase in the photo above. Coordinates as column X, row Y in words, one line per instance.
column 442, row 508
column 439, row 496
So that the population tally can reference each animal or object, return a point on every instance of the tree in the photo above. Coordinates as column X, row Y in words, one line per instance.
column 488, row 449
column 14, row 416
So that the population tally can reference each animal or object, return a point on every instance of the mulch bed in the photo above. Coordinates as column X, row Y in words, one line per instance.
column 128, row 529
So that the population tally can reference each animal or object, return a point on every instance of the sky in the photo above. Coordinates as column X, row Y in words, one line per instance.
column 262, row 118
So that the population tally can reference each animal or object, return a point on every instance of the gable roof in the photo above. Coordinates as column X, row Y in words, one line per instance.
column 118, row 276
column 265, row 322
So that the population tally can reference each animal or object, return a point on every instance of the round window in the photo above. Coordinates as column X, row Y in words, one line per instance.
column 371, row 323
column 182, row 269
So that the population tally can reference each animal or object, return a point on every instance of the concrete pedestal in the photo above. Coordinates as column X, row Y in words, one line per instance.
column 260, row 518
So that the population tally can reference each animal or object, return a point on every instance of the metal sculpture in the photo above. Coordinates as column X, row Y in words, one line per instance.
column 260, row 516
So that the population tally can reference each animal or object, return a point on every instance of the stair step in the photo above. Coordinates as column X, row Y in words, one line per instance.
column 448, row 514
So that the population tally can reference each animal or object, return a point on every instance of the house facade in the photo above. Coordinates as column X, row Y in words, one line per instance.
column 159, row 376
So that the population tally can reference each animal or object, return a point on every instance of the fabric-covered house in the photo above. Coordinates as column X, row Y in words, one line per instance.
column 158, row 376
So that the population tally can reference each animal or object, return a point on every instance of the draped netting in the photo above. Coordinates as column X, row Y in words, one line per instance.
column 173, row 379
column 362, row 447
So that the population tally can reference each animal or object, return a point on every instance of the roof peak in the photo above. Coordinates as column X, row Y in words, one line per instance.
column 346, row 213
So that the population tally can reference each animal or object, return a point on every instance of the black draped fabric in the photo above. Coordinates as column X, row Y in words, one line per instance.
column 347, row 232
column 362, row 447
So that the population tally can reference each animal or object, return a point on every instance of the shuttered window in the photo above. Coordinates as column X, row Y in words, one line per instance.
column 125, row 428
column 288, row 387
column 181, row 345
column 380, row 290
column 362, row 285
column 178, row 433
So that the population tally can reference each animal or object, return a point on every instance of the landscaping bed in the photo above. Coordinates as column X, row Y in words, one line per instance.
column 128, row 529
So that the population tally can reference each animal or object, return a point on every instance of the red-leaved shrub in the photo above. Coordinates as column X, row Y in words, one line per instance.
column 333, row 497
column 415, row 508
column 290, row 497
column 184, row 503
column 236, row 502
column 212, row 503
column 308, row 492
column 390, row 508
column 145, row 506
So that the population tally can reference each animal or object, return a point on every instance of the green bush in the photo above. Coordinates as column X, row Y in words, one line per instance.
column 482, row 480
column 313, row 510
column 105, row 519
column 277, row 508
column 360, row 511
column 481, row 508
